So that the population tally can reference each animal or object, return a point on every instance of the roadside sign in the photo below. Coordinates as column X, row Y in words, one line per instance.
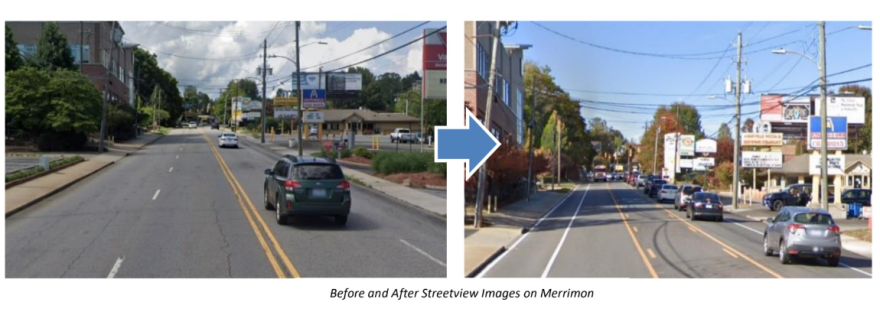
column 761, row 159
column 702, row 163
column 313, row 98
column 313, row 117
column 835, row 164
column 706, row 146
column 762, row 139
column 686, row 144
column 836, row 128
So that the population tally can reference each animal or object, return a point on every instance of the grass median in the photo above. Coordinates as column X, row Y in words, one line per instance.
column 861, row 234
column 21, row 174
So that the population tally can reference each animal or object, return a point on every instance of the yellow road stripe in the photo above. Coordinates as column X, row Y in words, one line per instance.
column 719, row 242
column 692, row 229
column 635, row 229
column 730, row 253
column 651, row 253
column 632, row 235
column 281, row 254
column 262, row 241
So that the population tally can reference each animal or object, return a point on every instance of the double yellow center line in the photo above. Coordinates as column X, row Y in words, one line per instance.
column 245, row 203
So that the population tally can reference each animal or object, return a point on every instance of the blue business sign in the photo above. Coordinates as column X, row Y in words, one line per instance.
column 836, row 129
column 313, row 98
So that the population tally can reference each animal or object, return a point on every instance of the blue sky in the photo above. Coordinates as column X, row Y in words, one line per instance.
column 578, row 66
column 209, row 54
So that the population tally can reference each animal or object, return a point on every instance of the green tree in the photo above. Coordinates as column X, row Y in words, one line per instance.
column 13, row 56
column 409, row 102
column 724, row 132
column 53, row 52
column 689, row 118
column 26, row 105
column 76, row 103
column 150, row 75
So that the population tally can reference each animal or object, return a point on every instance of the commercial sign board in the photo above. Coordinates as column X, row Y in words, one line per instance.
column 761, row 159
column 836, row 131
column 286, row 101
column 314, row 98
column 669, row 152
column 313, row 117
column 686, row 144
column 344, row 82
column 310, row 81
column 761, row 139
column 702, row 163
column 851, row 107
column 686, row 163
column 786, row 109
column 835, row 164
column 706, row 146
column 434, row 64
column 285, row 112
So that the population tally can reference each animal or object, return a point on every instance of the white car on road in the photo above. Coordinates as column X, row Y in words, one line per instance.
column 667, row 192
column 228, row 139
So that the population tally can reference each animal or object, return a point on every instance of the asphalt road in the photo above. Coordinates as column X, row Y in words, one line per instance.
column 170, row 211
column 614, row 230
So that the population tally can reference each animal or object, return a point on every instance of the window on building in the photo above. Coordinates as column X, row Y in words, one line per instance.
column 522, row 69
column 507, row 92
column 105, row 59
column 27, row 50
column 74, row 49
column 496, row 132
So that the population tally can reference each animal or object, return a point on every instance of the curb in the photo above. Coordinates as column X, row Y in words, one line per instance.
column 41, row 174
column 479, row 268
column 55, row 191
column 435, row 187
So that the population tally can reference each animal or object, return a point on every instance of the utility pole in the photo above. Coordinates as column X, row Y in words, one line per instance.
column 263, row 114
column 736, row 138
column 656, row 140
column 558, row 151
column 532, row 140
column 103, row 131
column 824, row 112
column 496, row 31
column 422, row 118
column 299, row 106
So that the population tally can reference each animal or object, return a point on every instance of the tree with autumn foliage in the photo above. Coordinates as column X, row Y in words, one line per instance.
column 505, row 170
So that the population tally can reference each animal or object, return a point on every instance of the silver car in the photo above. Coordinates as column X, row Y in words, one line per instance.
column 683, row 195
column 228, row 139
column 800, row 232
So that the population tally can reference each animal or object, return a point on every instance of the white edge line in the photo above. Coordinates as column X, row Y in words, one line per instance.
column 564, row 235
column 492, row 264
column 115, row 268
column 423, row 253
column 157, row 194
column 841, row 263
column 169, row 170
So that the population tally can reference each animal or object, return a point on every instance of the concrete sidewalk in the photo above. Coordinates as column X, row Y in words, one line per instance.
column 483, row 245
column 27, row 194
column 427, row 202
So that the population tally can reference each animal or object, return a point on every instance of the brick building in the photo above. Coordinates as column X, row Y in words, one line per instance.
column 507, row 112
column 99, row 46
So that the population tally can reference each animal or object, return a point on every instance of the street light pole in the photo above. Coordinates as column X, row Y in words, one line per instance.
column 736, row 139
column 656, row 140
column 824, row 115
column 532, row 140
column 299, row 96
column 496, row 32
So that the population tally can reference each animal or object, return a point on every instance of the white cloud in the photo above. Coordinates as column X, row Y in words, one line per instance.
column 209, row 54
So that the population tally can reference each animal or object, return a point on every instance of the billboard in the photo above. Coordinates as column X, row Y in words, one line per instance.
column 434, row 64
column 669, row 152
column 310, row 81
column 851, row 107
column 285, row 112
column 835, row 164
column 344, row 82
column 761, row 139
column 778, row 108
column 836, row 129
column 686, row 163
column 701, row 163
column 706, row 146
column 761, row 159
column 314, row 98
column 286, row 102
column 686, row 145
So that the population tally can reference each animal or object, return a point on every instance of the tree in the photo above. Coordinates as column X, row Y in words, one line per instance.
column 724, row 132
column 13, row 56
column 150, row 75
column 748, row 125
column 53, row 52
column 76, row 103
column 689, row 118
column 25, row 104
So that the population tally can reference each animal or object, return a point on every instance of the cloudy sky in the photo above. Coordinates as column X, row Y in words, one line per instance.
column 209, row 54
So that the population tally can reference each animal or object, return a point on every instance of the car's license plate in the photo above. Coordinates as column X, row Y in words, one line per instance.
column 815, row 233
column 817, row 249
column 319, row 193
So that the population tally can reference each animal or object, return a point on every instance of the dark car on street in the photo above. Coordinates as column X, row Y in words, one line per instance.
column 792, row 195
column 655, row 187
column 705, row 205
column 307, row 186
column 861, row 196
column 215, row 125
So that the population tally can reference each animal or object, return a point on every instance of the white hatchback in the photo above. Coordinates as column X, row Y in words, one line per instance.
column 228, row 139
column 667, row 192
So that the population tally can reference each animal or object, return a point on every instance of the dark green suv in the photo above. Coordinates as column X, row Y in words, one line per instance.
column 307, row 186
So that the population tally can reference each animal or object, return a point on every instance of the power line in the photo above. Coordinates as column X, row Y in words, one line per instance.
column 392, row 50
column 366, row 48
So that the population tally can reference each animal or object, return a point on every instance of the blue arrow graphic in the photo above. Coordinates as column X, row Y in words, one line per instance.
column 473, row 144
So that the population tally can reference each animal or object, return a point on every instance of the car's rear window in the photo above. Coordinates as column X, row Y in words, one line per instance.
column 229, row 134
column 318, row 172
column 690, row 190
column 711, row 197
column 403, row 131
column 669, row 187
column 813, row 218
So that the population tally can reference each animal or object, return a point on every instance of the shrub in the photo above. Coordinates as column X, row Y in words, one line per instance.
column 390, row 162
column 363, row 152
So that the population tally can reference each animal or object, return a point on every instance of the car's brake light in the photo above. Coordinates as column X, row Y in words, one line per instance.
column 794, row 227
column 290, row 185
column 835, row 229
column 344, row 185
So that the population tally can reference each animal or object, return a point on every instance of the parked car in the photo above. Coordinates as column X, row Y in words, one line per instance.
column 193, row 124
column 667, row 192
column 800, row 232
column 684, row 194
column 792, row 195
column 643, row 180
column 215, row 125
column 705, row 204
column 634, row 179
column 307, row 186
column 400, row 135
column 862, row 196
column 655, row 187
column 228, row 139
